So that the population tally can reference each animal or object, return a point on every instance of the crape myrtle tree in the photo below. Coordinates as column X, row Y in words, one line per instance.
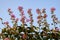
column 32, row 32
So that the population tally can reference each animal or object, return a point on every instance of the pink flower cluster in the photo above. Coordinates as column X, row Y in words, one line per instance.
column 30, row 15
column 6, row 22
column 20, row 8
column 11, row 14
column 38, row 11
column 23, row 18
column 53, row 9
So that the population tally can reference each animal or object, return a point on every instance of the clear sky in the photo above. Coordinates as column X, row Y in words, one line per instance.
column 34, row 4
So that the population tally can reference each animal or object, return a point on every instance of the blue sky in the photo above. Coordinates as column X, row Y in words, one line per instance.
column 34, row 4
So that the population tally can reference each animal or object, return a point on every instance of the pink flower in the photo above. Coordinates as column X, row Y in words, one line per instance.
column 16, row 19
column 53, row 9
column 57, row 29
column 6, row 39
column 12, row 16
column 27, row 20
column 31, row 19
column 24, row 36
column 6, row 22
column 20, row 8
column 9, row 10
column 29, row 11
column 23, row 19
column 38, row 11
column 22, row 13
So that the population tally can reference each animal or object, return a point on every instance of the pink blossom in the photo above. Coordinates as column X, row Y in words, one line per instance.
column 57, row 29
column 31, row 19
column 29, row 11
column 9, row 10
column 16, row 19
column 6, row 39
column 12, row 16
column 38, row 10
column 23, row 19
column 6, row 22
column 20, row 8
column 22, row 13
column 27, row 20
column 53, row 9
column 24, row 36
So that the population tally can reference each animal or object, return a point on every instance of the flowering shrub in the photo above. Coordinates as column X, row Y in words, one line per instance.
column 30, row 33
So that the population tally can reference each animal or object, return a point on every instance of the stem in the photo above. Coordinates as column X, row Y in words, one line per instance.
column 39, row 28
